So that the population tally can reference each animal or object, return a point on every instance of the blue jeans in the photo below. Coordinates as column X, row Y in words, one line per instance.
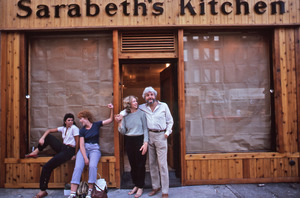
column 94, row 154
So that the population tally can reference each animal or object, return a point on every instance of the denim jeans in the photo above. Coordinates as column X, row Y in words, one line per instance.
column 94, row 154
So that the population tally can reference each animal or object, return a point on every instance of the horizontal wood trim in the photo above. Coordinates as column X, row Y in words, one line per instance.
column 46, row 159
column 240, row 155
column 243, row 181
column 147, row 55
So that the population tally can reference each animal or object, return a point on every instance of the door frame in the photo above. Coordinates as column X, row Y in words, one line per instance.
column 181, row 100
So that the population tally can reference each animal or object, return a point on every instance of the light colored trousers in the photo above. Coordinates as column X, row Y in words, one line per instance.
column 158, row 164
column 94, row 154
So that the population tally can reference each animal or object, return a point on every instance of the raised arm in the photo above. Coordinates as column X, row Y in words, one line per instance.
column 111, row 117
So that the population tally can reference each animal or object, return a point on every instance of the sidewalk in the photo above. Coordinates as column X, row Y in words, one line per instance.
column 278, row 190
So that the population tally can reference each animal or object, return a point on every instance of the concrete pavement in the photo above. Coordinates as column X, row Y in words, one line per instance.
column 270, row 190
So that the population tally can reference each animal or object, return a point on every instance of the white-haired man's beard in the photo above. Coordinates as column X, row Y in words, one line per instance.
column 150, row 101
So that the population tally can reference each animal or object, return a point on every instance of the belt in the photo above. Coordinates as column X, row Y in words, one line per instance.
column 157, row 131
column 70, row 145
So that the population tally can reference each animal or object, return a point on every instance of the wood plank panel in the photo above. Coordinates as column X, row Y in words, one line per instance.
column 9, row 117
column 224, row 166
column 232, row 169
column 25, row 173
column 8, row 173
column 3, row 113
column 272, row 168
column 267, row 167
column 112, row 174
column 181, row 103
column 284, row 94
column 197, row 170
column 253, row 170
column 260, row 168
column 292, row 93
column 288, row 89
column 204, row 167
column 16, row 95
column 297, row 60
column 171, row 15
column 253, row 173
column 190, row 170
column 22, row 92
column 277, row 93
column 10, row 95
column 246, row 168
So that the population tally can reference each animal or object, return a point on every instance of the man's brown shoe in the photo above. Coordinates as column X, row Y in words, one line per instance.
column 154, row 191
column 165, row 195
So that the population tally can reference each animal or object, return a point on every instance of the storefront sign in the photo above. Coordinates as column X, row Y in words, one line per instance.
column 141, row 8
column 97, row 14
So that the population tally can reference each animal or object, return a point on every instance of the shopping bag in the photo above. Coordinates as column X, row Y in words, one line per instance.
column 99, row 189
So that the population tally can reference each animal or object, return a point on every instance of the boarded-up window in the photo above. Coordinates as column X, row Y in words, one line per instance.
column 69, row 74
column 227, row 84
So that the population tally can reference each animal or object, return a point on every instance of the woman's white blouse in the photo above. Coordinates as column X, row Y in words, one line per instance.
column 68, row 138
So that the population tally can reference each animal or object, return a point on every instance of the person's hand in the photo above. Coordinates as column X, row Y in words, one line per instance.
column 111, row 106
column 73, row 158
column 118, row 117
column 166, row 136
column 144, row 148
column 41, row 141
column 86, row 161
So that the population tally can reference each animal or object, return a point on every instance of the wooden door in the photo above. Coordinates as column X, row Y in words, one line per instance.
column 168, row 80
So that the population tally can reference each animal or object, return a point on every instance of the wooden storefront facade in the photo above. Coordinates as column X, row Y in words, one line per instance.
column 172, row 19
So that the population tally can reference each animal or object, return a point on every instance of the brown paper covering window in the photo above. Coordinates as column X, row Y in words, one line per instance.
column 227, row 85
column 69, row 74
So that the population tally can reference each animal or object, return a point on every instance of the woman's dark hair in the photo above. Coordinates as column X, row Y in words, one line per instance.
column 69, row 115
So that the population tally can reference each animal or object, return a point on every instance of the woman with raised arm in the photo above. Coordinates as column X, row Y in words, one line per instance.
column 89, row 153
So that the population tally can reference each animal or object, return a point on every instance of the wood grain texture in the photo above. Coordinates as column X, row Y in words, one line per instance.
column 25, row 173
column 73, row 14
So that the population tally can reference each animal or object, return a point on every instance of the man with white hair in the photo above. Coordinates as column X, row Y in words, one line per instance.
column 160, row 123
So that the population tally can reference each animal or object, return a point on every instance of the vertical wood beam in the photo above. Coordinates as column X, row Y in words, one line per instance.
column 23, row 102
column 181, row 104
column 277, row 92
column 16, row 95
column 3, row 109
column 116, row 101
column 12, row 59
column 286, row 89
column 297, row 61
column 8, row 96
column 297, row 66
